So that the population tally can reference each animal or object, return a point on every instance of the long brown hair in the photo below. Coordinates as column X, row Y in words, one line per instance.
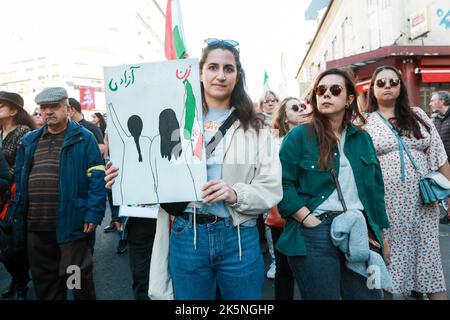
column 239, row 97
column 406, row 119
column 321, row 126
column 280, row 117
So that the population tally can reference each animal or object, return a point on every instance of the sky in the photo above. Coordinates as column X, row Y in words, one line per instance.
column 264, row 29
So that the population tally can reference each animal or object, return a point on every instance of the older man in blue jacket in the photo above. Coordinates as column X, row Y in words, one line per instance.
column 60, row 199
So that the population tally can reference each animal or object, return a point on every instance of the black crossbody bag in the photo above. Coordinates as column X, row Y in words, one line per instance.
column 177, row 208
column 373, row 242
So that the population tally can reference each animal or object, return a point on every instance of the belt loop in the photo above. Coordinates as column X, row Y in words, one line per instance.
column 190, row 219
column 227, row 221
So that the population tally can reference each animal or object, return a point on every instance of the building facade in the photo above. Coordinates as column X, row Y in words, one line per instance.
column 413, row 36
column 90, row 35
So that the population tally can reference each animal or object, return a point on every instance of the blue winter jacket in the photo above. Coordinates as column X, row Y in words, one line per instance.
column 82, row 193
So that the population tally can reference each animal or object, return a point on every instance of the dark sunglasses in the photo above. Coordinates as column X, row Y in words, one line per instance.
column 296, row 107
column 219, row 42
column 271, row 101
column 36, row 114
column 381, row 83
column 335, row 90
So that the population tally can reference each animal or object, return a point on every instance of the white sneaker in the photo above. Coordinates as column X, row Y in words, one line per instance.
column 271, row 271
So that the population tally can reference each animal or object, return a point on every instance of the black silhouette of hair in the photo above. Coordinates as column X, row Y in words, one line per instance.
column 169, row 131
column 135, row 126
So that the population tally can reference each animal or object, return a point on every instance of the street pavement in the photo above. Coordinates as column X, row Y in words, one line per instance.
column 113, row 279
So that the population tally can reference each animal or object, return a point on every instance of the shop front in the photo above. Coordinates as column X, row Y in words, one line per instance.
column 425, row 69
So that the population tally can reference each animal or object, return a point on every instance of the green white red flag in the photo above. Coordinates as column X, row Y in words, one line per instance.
column 175, row 48
column 266, row 82
column 174, row 44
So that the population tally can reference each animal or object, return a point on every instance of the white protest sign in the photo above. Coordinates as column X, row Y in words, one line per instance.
column 155, row 132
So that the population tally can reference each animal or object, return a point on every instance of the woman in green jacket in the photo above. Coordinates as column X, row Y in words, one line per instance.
column 309, row 154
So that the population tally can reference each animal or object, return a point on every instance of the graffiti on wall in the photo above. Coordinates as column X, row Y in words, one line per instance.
column 445, row 18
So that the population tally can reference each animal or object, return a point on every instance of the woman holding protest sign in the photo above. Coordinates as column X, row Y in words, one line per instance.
column 214, row 243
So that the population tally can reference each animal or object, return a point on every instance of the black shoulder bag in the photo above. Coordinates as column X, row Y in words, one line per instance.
column 177, row 208
column 373, row 243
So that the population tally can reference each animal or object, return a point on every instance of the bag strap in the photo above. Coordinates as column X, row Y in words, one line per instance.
column 214, row 142
column 177, row 208
column 402, row 147
column 370, row 233
column 338, row 189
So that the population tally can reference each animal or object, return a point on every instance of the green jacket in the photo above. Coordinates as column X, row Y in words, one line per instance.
column 304, row 184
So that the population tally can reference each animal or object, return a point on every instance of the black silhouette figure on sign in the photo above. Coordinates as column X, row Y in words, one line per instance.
column 135, row 126
column 161, row 153
column 169, row 131
column 166, row 148
column 135, row 129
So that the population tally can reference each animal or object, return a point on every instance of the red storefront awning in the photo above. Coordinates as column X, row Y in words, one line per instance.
column 434, row 74
column 363, row 86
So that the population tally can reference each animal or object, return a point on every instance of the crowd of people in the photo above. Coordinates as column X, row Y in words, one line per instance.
column 330, row 185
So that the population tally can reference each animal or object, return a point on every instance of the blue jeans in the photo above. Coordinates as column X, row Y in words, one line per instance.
column 197, row 273
column 322, row 274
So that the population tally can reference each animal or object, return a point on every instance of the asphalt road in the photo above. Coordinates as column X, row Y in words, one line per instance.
column 113, row 280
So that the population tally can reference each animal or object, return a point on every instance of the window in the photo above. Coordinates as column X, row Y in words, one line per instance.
column 344, row 35
column 333, row 48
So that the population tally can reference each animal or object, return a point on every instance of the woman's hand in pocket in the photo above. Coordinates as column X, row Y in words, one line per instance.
column 311, row 221
column 305, row 217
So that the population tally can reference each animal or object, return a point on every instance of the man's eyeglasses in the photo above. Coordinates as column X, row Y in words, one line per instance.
column 335, row 90
column 270, row 101
column 52, row 106
column 296, row 107
column 222, row 43
column 381, row 83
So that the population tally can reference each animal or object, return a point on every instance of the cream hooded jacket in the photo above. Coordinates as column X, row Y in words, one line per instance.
column 251, row 166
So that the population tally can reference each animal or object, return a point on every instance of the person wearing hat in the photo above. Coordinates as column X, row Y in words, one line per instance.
column 15, row 122
column 60, row 200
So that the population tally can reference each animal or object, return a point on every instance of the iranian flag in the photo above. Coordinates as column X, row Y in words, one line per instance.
column 174, row 44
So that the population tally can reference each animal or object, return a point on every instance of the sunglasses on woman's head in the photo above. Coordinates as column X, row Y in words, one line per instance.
column 296, row 107
column 335, row 90
column 220, row 42
column 381, row 83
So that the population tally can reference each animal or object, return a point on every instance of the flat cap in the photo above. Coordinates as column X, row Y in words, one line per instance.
column 51, row 95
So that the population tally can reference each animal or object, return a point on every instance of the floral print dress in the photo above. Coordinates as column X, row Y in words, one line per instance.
column 414, row 227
